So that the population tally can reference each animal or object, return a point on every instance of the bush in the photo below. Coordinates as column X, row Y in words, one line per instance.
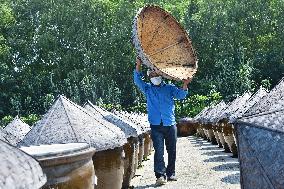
column 141, row 107
column 111, row 107
column 29, row 119
column 191, row 106
column 5, row 121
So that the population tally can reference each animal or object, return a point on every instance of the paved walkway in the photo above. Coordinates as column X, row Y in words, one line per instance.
column 200, row 165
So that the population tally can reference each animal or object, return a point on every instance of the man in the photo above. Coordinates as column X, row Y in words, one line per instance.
column 160, row 106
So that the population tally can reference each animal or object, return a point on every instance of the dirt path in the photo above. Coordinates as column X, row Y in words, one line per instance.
column 200, row 165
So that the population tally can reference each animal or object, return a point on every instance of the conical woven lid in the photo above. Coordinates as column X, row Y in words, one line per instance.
column 273, row 120
column 141, row 120
column 113, row 120
column 19, row 170
column 67, row 122
column 274, row 100
column 202, row 117
column 125, row 117
column 162, row 44
column 260, row 152
column 16, row 130
column 234, row 106
column 3, row 135
column 187, row 119
column 248, row 104
column 211, row 116
column 200, row 114
column 110, row 120
column 53, row 151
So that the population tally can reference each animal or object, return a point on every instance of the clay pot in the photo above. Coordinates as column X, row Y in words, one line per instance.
column 215, row 131
column 221, row 137
column 109, row 167
column 141, row 149
column 206, row 136
column 129, row 161
column 200, row 131
column 210, row 133
column 186, row 127
column 67, row 166
column 147, row 145
column 229, row 138
column 136, row 153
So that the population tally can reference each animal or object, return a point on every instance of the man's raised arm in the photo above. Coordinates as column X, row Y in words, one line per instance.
column 138, row 76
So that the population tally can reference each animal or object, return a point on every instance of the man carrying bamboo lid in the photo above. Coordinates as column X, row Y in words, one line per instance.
column 160, row 107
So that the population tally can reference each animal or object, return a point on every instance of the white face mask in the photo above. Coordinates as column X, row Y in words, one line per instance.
column 156, row 80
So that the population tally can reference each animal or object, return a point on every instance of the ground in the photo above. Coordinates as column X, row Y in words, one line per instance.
column 200, row 165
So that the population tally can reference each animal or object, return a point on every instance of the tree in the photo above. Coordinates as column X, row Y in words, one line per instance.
column 237, row 43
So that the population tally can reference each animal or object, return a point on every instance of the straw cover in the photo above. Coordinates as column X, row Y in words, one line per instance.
column 127, row 117
column 261, row 152
column 67, row 122
column 212, row 113
column 162, row 44
column 19, row 170
column 234, row 106
column 112, row 120
column 271, row 120
column 274, row 100
column 187, row 119
column 200, row 114
column 3, row 135
column 140, row 119
column 16, row 131
column 248, row 104
column 215, row 114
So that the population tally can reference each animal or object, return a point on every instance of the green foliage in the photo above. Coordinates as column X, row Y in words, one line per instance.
column 83, row 49
column 111, row 107
column 140, row 107
column 30, row 119
column 6, row 20
column 6, row 120
column 195, row 103
column 239, row 43
column 266, row 83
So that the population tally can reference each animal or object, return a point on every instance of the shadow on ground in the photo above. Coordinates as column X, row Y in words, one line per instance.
column 232, row 179
column 213, row 153
column 218, row 159
column 210, row 148
column 147, row 186
column 227, row 167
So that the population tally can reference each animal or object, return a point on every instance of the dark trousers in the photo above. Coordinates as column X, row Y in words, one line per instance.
column 161, row 135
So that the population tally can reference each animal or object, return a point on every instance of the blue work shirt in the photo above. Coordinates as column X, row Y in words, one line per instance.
column 160, row 100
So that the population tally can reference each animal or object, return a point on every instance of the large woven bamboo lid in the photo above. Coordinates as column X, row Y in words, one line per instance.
column 163, row 44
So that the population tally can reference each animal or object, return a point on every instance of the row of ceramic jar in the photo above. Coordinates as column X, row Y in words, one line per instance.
column 77, row 165
column 221, row 134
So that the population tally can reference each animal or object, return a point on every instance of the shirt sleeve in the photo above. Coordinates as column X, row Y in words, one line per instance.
column 179, row 93
column 142, row 85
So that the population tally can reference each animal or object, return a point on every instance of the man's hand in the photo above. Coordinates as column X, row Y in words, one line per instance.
column 185, row 83
column 138, row 64
column 138, row 61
